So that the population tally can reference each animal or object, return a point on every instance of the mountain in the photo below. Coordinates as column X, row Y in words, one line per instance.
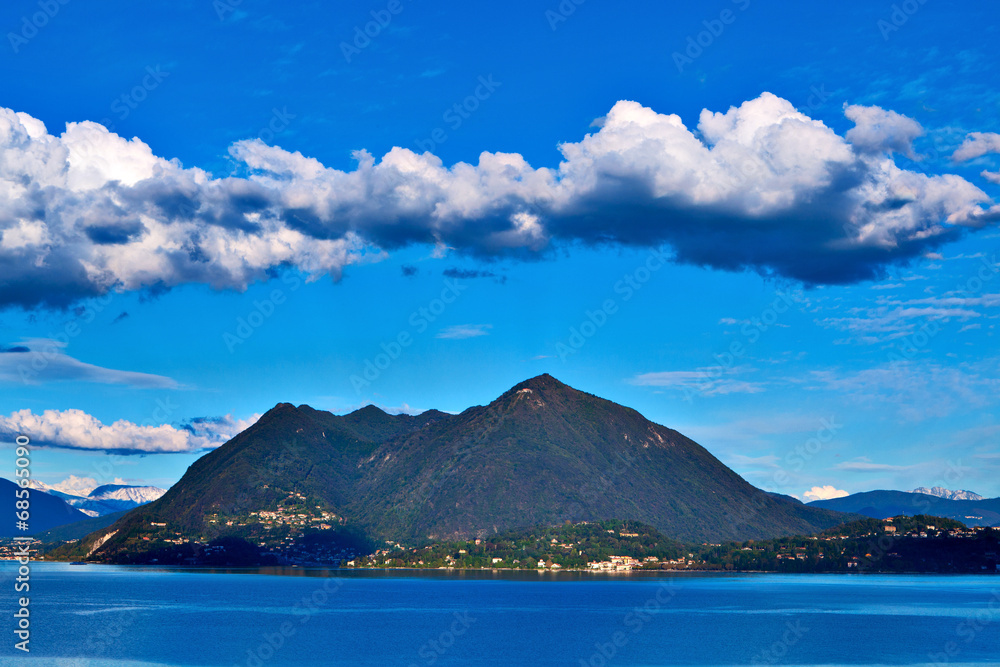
column 46, row 511
column 78, row 529
column 942, row 492
column 885, row 504
column 106, row 499
column 125, row 496
column 541, row 454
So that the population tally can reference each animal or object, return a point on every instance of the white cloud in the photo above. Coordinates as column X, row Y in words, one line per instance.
column 824, row 493
column 75, row 429
column 864, row 464
column 976, row 145
column 40, row 360
column 879, row 130
column 895, row 318
column 991, row 176
column 710, row 381
column 461, row 331
column 917, row 390
column 87, row 211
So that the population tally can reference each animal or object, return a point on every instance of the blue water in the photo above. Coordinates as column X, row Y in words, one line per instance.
column 105, row 615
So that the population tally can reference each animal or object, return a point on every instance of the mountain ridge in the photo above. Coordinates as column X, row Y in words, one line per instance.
column 883, row 504
column 541, row 453
column 948, row 494
column 46, row 511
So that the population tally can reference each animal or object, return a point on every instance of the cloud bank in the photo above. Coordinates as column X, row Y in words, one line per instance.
column 75, row 429
column 41, row 360
column 760, row 186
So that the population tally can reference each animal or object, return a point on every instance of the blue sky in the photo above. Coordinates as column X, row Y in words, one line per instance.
column 213, row 243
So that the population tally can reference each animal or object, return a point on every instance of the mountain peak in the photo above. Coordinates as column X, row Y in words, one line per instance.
column 280, row 408
column 543, row 382
column 948, row 494
column 370, row 410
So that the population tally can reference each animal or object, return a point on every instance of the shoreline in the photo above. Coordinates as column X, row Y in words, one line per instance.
column 483, row 570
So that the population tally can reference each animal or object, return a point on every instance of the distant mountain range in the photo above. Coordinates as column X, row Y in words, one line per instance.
column 884, row 504
column 106, row 499
column 45, row 511
column 942, row 492
column 542, row 453
column 51, row 509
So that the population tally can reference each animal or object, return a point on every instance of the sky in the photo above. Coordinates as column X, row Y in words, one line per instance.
column 770, row 227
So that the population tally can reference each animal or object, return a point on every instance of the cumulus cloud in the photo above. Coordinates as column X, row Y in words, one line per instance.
column 40, row 360
column 878, row 130
column 977, row 144
column 824, row 493
column 760, row 186
column 75, row 429
column 991, row 176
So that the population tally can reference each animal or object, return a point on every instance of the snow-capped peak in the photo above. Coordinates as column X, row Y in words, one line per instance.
column 136, row 494
column 948, row 494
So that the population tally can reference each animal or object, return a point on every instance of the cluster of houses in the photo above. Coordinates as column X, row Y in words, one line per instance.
column 11, row 550
column 323, row 521
column 618, row 563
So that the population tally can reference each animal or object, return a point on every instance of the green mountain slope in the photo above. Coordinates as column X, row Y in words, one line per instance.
column 544, row 453
column 541, row 454
column 78, row 529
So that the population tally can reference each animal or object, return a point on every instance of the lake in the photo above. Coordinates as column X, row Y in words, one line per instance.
column 111, row 615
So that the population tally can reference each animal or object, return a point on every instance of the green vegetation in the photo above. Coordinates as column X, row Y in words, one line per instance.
column 920, row 544
column 565, row 546
column 903, row 544
column 79, row 529
column 541, row 454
